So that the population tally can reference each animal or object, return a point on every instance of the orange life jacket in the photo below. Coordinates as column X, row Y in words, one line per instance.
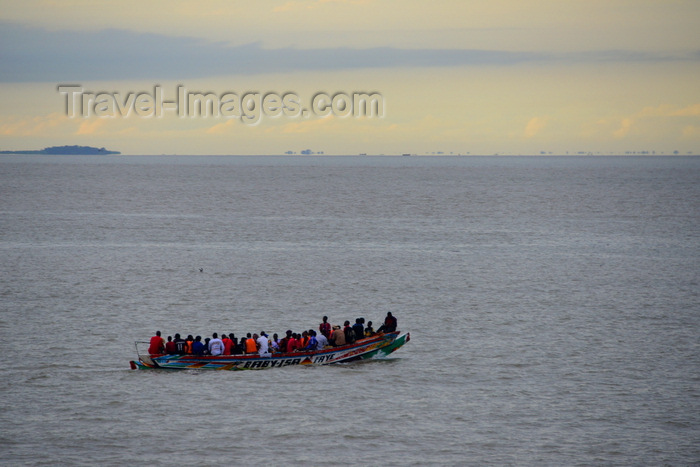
column 250, row 346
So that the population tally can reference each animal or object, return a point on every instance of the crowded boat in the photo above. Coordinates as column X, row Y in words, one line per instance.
column 326, row 345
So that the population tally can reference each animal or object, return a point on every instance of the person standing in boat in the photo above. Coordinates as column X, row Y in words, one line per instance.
column 157, row 344
column 325, row 327
column 216, row 345
column 390, row 324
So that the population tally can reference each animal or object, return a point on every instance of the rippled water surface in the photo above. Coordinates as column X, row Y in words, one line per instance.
column 552, row 303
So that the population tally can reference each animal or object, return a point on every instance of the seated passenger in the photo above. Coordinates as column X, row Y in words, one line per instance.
column 313, row 342
column 227, row 344
column 275, row 343
column 293, row 343
column 216, row 345
column 369, row 330
column 170, row 348
column 284, row 341
column 359, row 329
column 197, row 346
column 250, row 345
column 390, row 324
column 238, row 347
column 180, row 345
column 349, row 333
column 337, row 337
column 322, row 341
column 234, row 342
column 303, row 340
column 157, row 344
column 263, row 345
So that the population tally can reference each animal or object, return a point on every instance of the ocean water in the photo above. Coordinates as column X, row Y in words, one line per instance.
column 553, row 304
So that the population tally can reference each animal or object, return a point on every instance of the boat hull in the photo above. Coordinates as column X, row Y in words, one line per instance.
column 364, row 349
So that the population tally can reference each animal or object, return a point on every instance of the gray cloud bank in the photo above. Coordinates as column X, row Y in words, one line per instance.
column 36, row 55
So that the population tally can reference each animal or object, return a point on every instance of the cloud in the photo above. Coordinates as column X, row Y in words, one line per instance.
column 92, row 126
column 31, row 126
column 625, row 127
column 37, row 55
column 690, row 111
column 692, row 132
column 666, row 110
column 221, row 128
column 534, row 126
column 650, row 118
column 309, row 126
column 662, row 122
column 58, row 124
column 312, row 4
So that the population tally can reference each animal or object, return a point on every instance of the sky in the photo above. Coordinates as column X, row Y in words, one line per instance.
column 475, row 77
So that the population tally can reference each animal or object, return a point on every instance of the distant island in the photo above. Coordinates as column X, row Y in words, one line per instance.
column 66, row 150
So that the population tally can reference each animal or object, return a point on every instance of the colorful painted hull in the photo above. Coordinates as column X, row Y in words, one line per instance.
column 367, row 348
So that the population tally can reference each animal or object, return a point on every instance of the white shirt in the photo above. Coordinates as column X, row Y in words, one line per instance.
column 262, row 342
column 216, row 346
column 322, row 341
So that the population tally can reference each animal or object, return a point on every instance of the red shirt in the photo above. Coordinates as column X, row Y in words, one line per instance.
column 292, row 345
column 170, row 347
column 157, row 345
column 227, row 345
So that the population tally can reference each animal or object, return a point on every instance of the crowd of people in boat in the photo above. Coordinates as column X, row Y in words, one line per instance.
column 264, row 345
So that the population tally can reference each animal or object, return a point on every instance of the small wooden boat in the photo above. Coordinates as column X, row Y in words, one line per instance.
column 369, row 347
